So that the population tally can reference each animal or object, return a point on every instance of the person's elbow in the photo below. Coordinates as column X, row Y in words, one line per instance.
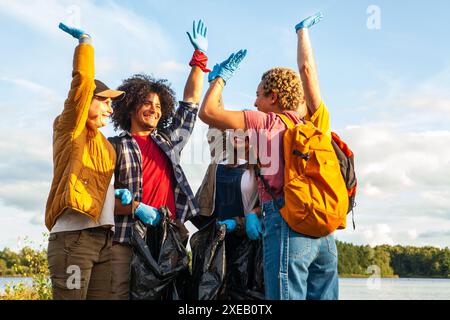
column 192, row 98
column 205, row 115
column 306, row 70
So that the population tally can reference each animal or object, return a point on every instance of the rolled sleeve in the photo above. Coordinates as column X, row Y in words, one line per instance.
column 183, row 122
column 189, row 106
column 321, row 119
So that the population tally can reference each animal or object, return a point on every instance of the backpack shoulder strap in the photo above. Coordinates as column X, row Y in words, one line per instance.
column 288, row 122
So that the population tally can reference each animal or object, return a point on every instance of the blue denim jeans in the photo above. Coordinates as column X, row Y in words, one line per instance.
column 296, row 266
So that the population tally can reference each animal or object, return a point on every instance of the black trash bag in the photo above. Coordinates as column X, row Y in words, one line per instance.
column 245, row 277
column 159, row 263
column 225, row 266
column 208, row 262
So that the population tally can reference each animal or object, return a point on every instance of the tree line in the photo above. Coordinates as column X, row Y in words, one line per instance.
column 354, row 261
column 391, row 261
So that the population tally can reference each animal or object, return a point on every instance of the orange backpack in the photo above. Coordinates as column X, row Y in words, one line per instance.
column 316, row 196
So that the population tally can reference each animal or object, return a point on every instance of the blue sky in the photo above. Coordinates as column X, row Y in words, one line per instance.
column 387, row 91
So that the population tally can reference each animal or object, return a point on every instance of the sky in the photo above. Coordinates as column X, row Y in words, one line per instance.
column 384, row 71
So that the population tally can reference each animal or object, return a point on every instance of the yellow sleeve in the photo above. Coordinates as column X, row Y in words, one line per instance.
column 321, row 119
column 76, row 107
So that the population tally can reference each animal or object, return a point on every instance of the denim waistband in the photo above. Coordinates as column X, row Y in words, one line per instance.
column 270, row 205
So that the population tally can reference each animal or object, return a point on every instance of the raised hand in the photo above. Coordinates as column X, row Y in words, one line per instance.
column 227, row 68
column 309, row 22
column 125, row 196
column 198, row 37
column 74, row 32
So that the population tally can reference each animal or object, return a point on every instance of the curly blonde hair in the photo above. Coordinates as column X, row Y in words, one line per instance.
column 287, row 85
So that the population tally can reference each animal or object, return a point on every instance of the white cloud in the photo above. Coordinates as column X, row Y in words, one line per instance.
column 379, row 235
column 112, row 26
column 412, row 234
column 403, row 165
column 38, row 219
column 389, row 162
column 25, row 195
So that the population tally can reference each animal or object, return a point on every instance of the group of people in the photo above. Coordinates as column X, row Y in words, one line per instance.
column 102, row 186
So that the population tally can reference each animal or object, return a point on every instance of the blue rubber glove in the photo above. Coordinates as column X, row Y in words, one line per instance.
column 253, row 226
column 74, row 32
column 309, row 22
column 147, row 214
column 230, row 223
column 227, row 68
column 214, row 73
column 198, row 37
column 125, row 195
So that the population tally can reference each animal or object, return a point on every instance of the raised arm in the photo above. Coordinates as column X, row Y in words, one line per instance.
column 184, row 119
column 76, row 107
column 306, row 63
column 211, row 111
column 194, row 84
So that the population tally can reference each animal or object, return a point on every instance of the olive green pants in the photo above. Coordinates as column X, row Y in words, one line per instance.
column 120, row 272
column 80, row 264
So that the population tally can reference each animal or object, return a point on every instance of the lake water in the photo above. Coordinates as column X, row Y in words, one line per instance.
column 365, row 289
column 394, row 289
column 4, row 281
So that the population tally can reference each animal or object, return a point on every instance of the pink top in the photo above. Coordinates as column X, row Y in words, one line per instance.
column 268, row 131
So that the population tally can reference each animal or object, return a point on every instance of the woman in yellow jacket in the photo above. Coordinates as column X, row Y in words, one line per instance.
column 80, row 205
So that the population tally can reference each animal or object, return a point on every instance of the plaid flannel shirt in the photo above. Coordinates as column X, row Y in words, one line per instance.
column 128, row 172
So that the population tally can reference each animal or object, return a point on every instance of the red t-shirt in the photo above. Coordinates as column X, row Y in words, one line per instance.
column 157, row 176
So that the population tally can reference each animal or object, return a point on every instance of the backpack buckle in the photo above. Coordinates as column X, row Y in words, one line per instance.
column 304, row 156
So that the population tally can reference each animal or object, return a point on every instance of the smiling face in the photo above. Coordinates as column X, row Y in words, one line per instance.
column 147, row 116
column 99, row 111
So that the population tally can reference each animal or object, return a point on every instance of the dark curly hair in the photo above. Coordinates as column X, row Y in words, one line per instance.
column 137, row 88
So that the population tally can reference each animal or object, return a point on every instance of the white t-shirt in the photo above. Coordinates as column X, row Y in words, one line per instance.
column 70, row 221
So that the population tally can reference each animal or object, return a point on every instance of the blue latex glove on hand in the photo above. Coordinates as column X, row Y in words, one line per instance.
column 147, row 214
column 125, row 196
column 309, row 22
column 227, row 68
column 198, row 37
column 253, row 226
column 74, row 32
column 230, row 223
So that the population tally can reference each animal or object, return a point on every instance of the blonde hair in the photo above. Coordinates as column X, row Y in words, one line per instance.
column 287, row 85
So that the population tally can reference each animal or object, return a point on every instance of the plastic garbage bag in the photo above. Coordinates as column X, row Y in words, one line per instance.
column 208, row 262
column 159, row 263
column 245, row 275
column 226, row 266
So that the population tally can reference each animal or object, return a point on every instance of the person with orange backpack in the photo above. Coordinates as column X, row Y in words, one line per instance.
column 303, row 191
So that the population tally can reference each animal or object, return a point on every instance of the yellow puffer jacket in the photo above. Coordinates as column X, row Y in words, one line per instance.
column 83, row 159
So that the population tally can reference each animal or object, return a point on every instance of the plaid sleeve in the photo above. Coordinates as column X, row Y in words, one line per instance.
column 182, row 124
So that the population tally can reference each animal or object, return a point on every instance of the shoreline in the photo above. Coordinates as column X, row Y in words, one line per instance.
column 343, row 276
column 360, row 276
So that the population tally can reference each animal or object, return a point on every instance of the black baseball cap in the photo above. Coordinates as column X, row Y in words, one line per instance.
column 102, row 90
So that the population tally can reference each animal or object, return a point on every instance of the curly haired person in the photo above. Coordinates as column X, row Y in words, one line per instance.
column 296, row 266
column 148, row 155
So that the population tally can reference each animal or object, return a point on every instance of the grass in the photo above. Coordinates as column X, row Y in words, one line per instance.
column 37, row 269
